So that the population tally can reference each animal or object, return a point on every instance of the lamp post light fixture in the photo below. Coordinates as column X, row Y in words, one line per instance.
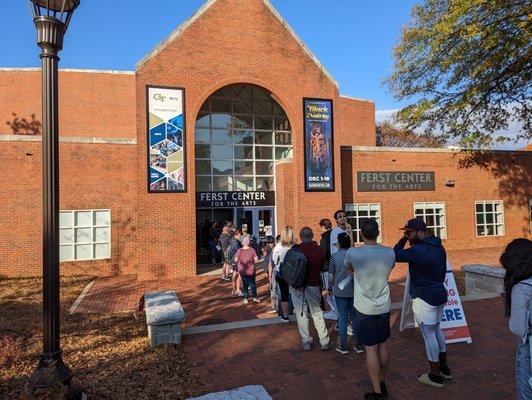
column 52, row 378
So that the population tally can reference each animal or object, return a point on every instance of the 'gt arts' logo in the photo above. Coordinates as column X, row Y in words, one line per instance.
column 159, row 97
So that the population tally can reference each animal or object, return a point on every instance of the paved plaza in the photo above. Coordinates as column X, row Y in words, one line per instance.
column 256, row 350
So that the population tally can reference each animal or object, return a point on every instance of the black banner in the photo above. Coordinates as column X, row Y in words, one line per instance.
column 319, row 160
column 395, row 181
column 235, row 199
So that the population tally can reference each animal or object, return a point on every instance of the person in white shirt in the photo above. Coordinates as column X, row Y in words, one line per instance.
column 287, row 240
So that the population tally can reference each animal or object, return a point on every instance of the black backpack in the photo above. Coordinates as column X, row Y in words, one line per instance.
column 293, row 269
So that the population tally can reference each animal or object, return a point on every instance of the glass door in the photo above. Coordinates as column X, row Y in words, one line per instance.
column 260, row 222
column 266, row 224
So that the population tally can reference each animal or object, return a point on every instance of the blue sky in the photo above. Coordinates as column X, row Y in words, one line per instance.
column 354, row 41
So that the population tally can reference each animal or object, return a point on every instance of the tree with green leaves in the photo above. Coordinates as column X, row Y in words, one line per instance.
column 466, row 68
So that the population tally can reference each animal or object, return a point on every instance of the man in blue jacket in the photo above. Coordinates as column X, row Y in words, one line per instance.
column 427, row 266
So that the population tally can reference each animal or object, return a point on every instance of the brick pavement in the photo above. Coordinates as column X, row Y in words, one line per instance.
column 270, row 356
column 207, row 299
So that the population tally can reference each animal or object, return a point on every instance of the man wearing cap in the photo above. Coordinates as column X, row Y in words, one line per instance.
column 427, row 265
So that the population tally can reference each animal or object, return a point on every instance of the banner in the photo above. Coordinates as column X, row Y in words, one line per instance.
column 453, row 322
column 319, row 160
column 166, row 139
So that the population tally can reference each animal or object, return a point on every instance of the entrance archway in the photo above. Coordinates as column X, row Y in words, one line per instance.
column 240, row 132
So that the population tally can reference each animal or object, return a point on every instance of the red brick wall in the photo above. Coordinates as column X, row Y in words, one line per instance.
column 503, row 176
column 91, row 104
column 285, row 195
column 234, row 41
column 91, row 176
column 356, row 122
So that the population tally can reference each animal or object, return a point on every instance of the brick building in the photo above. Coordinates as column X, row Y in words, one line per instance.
column 132, row 203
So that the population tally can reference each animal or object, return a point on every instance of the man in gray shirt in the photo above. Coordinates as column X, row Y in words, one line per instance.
column 371, row 265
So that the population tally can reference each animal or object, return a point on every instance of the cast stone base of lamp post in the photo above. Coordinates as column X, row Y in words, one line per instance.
column 52, row 380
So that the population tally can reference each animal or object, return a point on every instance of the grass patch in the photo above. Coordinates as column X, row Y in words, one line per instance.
column 110, row 354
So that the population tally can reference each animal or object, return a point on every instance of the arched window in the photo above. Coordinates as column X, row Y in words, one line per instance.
column 240, row 132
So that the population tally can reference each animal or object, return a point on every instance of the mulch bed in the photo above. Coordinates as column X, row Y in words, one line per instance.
column 110, row 354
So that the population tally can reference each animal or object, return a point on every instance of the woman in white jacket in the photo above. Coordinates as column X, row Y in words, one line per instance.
column 287, row 240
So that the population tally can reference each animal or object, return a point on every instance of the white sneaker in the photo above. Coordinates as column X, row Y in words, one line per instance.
column 255, row 300
column 350, row 330
column 245, row 301
column 330, row 315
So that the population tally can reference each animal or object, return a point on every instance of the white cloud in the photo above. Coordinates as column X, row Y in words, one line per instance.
column 384, row 115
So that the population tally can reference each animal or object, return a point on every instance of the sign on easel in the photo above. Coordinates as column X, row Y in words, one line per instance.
column 453, row 322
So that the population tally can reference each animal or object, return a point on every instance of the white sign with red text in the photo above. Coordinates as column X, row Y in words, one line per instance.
column 453, row 322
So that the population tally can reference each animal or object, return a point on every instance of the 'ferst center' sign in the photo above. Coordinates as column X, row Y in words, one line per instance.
column 235, row 199
column 395, row 181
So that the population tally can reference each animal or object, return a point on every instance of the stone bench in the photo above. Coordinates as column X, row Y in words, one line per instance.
column 164, row 315
column 483, row 279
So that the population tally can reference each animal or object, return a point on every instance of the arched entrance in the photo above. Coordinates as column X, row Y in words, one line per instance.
column 240, row 132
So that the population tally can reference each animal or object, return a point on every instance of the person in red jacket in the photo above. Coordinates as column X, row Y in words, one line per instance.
column 309, row 295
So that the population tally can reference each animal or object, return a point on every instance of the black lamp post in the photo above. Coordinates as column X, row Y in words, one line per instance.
column 52, row 378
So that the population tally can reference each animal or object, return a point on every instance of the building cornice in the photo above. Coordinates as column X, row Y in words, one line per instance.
column 378, row 149
column 356, row 99
column 87, row 71
column 69, row 139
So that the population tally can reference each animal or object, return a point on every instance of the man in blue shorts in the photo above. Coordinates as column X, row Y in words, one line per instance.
column 371, row 265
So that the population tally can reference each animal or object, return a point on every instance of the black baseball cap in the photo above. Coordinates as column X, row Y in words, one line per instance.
column 415, row 224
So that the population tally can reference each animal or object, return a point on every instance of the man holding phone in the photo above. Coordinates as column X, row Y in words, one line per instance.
column 427, row 266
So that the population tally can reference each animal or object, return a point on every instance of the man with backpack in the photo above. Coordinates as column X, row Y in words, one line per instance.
column 301, row 269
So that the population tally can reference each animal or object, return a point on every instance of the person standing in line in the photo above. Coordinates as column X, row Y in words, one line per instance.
column 517, row 261
column 225, row 240
column 341, row 226
column 325, row 244
column 371, row 265
column 325, row 241
column 245, row 233
column 427, row 266
column 214, row 236
column 308, row 297
column 246, row 257
column 286, row 241
column 343, row 297
column 270, row 243
column 234, row 246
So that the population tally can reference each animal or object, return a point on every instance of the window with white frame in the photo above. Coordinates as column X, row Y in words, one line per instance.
column 489, row 218
column 434, row 216
column 357, row 212
column 84, row 235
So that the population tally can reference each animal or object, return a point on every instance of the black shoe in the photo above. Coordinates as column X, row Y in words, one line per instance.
column 384, row 390
column 359, row 349
column 374, row 396
column 445, row 373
